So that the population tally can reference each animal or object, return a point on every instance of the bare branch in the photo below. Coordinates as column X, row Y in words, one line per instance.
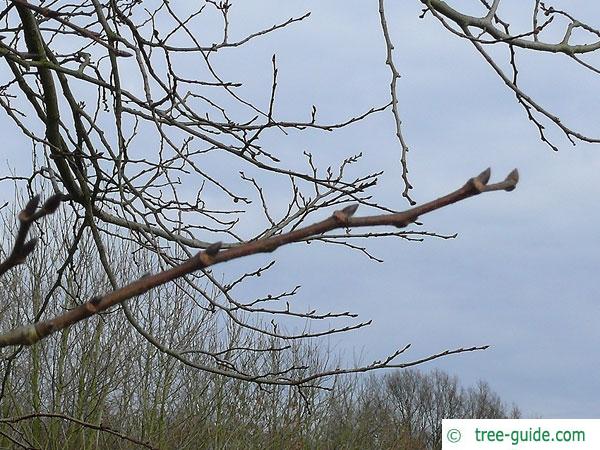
column 31, row 334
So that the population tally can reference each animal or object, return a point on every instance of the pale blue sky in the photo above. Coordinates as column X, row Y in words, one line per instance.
column 521, row 276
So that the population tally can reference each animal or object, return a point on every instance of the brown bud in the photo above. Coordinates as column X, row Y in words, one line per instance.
column 32, row 205
column 350, row 210
column 28, row 247
column 53, row 202
column 213, row 249
column 513, row 177
column 484, row 176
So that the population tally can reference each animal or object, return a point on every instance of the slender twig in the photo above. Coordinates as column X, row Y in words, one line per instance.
column 394, row 94
column 99, row 427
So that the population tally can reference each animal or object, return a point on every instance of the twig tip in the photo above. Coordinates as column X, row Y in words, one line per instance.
column 511, row 180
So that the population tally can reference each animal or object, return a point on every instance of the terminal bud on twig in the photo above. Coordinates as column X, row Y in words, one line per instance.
column 512, row 177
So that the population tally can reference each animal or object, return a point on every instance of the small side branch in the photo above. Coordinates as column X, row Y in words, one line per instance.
column 394, row 94
column 27, row 217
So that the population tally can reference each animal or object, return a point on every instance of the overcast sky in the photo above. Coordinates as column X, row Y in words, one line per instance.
column 522, row 273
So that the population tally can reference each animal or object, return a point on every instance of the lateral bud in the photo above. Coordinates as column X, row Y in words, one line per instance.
column 350, row 209
column 213, row 249
column 484, row 176
column 405, row 223
column 28, row 247
column 31, row 205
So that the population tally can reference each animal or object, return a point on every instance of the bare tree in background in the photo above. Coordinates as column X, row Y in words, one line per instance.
column 404, row 409
column 143, row 139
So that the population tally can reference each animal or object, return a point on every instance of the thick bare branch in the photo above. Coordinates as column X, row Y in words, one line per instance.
column 30, row 334
column 486, row 24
